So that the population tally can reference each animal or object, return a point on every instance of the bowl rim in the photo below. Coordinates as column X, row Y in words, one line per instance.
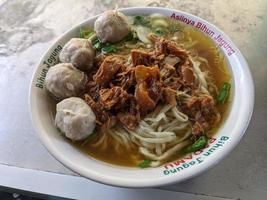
column 116, row 181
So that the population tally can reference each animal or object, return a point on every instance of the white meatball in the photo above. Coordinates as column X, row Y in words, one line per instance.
column 64, row 80
column 74, row 118
column 111, row 26
column 79, row 52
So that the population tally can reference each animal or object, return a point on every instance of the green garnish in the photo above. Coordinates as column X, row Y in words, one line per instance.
column 130, row 37
column 97, row 44
column 85, row 33
column 109, row 49
column 90, row 137
column 224, row 92
column 197, row 145
column 174, row 28
column 140, row 20
column 145, row 164
column 159, row 31
column 103, row 47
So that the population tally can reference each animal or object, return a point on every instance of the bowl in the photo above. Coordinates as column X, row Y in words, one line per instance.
column 227, row 137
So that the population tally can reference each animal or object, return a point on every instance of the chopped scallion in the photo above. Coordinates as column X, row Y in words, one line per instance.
column 159, row 31
column 109, row 49
column 197, row 145
column 85, row 33
column 97, row 44
column 103, row 47
column 140, row 20
column 145, row 164
column 224, row 92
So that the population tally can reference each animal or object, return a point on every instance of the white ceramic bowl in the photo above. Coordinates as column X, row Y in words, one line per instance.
column 224, row 141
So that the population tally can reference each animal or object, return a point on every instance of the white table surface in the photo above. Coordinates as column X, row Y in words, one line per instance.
column 28, row 27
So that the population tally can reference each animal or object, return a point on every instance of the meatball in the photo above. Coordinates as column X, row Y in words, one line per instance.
column 111, row 26
column 64, row 80
column 79, row 52
column 74, row 118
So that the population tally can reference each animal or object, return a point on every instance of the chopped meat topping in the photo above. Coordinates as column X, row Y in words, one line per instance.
column 121, row 88
column 107, row 70
column 175, row 50
column 127, row 119
column 101, row 114
column 114, row 97
column 166, row 47
column 201, row 109
column 102, row 117
column 92, row 88
column 169, row 96
column 148, row 89
column 131, row 117
column 126, row 78
column 187, row 74
column 140, row 57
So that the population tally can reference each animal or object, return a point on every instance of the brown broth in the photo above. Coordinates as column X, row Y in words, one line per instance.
column 206, row 48
column 123, row 157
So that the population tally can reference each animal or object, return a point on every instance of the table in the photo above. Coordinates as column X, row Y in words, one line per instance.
column 28, row 27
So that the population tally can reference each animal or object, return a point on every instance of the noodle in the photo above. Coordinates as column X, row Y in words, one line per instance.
column 167, row 153
column 176, row 126
column 203, row 60
column 158, row 149
column 179, row 115
column 117, row 138
column 153, row 140
column 203, row 85
column 161, row 134
column 148, row 145
column 163, row 137
column 100, row 140
column 155, row 164
column 182, row 94
column 157, row 119
column 178, row 140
